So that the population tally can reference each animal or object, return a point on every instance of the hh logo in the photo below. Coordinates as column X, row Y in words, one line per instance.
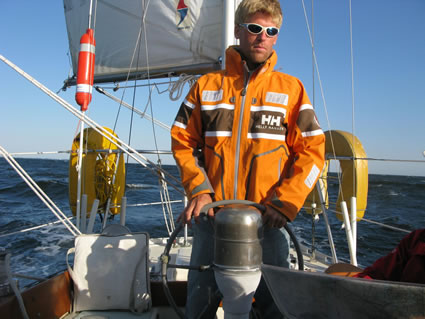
column 270, row 120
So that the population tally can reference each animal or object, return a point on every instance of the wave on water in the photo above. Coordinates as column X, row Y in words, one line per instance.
column 40, row 253
column 393, row 193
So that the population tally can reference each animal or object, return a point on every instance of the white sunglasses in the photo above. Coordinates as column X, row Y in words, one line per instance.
column 254, row 28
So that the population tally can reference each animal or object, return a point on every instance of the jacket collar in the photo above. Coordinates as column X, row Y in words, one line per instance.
column 235, row 64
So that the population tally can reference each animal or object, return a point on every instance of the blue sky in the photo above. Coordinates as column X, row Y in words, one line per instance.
column 389, row 78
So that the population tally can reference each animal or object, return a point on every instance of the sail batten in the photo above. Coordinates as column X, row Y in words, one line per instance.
column 175, row 37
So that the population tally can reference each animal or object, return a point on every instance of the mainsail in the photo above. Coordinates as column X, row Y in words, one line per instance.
column 141, row 38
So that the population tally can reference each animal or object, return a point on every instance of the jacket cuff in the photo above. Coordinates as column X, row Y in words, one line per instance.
column 204, row 188
column 287, row 209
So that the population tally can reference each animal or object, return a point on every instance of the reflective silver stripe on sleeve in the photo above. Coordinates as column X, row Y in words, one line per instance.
column 311, row 178
column 218, row 133
column 188, row 104
column 204, row 186
column 306, row 107
column 312, row 133
column 179, row 124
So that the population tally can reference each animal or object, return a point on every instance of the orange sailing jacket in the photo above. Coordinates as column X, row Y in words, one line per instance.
column 253, row 136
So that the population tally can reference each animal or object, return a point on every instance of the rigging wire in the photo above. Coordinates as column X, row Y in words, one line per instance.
column 33, row 228
column 149, row 103
column 352, row 89
column 165, row 152
column 130, row 107
column 115, row 163
column 127, row 79
column 370, row 221
column 312, row 67
column 137, row 48
column 80, row 125
column 322, row 92
column 315, row 64
column 313, row 215
column 312, row 53
column 165, row 196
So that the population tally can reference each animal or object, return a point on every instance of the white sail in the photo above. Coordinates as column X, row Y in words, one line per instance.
column 176, row 36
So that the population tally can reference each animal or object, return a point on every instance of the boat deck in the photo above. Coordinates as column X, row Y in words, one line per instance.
column 180, row 255
column 53, row 298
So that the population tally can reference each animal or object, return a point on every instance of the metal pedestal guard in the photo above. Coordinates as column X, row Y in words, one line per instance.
column 241, row 254
column 262, row 208
column 238, row 232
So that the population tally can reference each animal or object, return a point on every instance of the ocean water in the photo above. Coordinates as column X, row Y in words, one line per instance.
column 395, row 201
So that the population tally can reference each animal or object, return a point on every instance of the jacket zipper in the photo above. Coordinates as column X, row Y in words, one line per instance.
column 238, row 143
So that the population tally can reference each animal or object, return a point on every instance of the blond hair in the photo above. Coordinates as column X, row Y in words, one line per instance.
column 247, row 8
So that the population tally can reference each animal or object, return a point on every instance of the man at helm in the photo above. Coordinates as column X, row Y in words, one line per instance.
column 246, row 132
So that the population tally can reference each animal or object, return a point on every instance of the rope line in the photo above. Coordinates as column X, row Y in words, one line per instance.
column 176, row 88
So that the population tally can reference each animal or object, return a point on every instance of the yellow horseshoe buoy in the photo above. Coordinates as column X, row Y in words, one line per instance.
column 103, row 172
column 354, row 173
